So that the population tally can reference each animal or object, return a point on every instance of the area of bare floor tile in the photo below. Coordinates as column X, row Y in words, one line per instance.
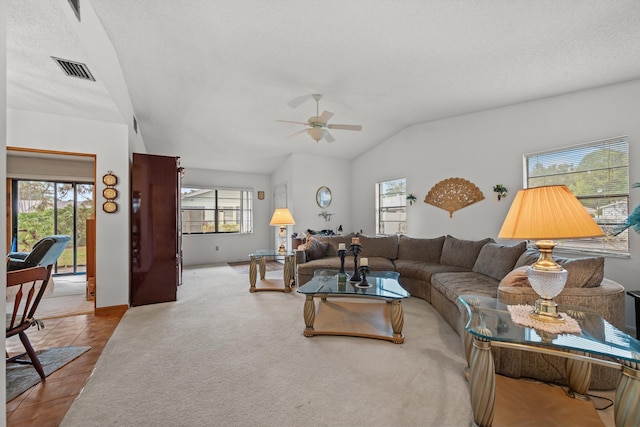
column 47, row 403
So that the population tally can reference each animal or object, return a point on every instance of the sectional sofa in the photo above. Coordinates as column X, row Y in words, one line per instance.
column 440, row 269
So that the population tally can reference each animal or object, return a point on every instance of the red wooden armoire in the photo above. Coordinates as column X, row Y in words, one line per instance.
column 155, row 229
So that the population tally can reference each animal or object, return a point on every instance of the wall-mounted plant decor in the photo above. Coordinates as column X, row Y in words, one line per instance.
column 411, row 198
column 501, row 190
column 453, row 194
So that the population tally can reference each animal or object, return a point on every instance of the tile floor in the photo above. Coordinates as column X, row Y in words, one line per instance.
column 47, row 403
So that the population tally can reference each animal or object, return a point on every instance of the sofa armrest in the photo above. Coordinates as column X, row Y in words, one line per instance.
column 18, row 264
column 301, row 256
column 18, row 255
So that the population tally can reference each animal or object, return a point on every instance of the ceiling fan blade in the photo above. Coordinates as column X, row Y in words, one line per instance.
column 297, row 133
column 327, row 137
column 345, row 127
column 325, row 116
column 289, row 121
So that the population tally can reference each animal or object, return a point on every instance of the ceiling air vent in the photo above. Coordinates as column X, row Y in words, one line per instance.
column 74, row 69
column 75, row 5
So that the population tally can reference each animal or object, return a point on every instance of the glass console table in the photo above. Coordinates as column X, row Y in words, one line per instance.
column 490, row 323
column 259, row 257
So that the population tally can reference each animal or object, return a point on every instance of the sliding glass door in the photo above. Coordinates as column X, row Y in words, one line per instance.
column 44, row 208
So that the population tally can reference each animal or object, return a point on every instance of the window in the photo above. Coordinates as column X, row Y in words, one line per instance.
column 206, row 210
column 598, row 174
column 391, row 206
column 44, row 208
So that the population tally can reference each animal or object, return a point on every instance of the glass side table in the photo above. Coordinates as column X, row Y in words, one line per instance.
column 490, row 323
column 259, row 257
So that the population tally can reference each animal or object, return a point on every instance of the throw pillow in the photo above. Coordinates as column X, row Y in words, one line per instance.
column 315, row 249
column 461, row 253
column 529, row 256
column 583, row 272
column 516, row 277
column 496, row 260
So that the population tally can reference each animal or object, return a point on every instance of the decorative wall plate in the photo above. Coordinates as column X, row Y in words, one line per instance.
column 452, row 194
column 110, row 206
column 110, row 193
column 110, row 179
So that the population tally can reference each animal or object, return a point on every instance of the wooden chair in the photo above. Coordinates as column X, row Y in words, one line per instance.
column 31, row 284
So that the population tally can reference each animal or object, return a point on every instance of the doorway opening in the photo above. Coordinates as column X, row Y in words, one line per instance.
column 50, row 193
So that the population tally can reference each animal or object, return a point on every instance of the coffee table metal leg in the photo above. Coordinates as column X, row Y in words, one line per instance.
column 309, row 315
column 252, row 274
column 482, row 383
column 626, row 409
column 397, row 321
column 579, row 377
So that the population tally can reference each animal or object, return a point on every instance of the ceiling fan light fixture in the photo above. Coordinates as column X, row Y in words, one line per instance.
column 316, row 133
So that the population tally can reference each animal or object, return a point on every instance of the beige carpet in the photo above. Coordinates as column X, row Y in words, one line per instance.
column 223, row 356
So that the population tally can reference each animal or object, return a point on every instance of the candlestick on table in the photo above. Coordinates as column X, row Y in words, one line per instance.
column 355, row 250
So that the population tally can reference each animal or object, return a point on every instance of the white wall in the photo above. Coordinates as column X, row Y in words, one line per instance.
column 486, row 148
column 311, row 173
column 201, row 249
column 109, row 142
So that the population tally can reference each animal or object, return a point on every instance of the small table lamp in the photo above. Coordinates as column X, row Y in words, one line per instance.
column 282, row 217
column 543, row 214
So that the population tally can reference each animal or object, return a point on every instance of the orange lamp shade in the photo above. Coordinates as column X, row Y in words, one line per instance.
column 282, row 216
column 546, row 213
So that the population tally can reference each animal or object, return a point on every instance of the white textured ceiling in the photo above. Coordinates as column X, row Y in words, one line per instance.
column 209, row 78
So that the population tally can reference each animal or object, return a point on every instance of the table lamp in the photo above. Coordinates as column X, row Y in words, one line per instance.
column 544, row 214
column 282, row 217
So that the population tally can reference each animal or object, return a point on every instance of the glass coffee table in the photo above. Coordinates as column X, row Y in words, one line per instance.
column 490, row 323
column 259, row 257
column 370, row 312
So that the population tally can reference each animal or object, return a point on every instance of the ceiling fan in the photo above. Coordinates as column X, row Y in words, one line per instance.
column 317, row 125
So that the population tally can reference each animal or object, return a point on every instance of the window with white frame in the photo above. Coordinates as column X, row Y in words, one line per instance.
column 216, row 210
column 391, row 206
column 598, row 174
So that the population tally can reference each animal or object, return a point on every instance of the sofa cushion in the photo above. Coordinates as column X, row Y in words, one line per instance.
column 427, row 250
column 516, row 277
column 585, row 272
column 453, row 285
column 528, row 257
column 461, row 253
column 314, row 249
column 422, row 270
column 333, row 242
column 379, row 246
column 496, row 260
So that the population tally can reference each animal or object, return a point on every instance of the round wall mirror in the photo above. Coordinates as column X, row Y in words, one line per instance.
column 323, row 197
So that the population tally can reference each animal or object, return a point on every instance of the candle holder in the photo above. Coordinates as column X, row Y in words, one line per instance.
column 355, row 250
column 364, row 270
column 342, row 253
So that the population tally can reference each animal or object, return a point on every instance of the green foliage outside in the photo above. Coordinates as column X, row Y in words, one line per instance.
column 600, row 172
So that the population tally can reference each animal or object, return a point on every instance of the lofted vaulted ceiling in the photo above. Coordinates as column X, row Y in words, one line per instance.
column 209, row 78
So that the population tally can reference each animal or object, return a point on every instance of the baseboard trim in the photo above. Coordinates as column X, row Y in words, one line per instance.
column 110, row 310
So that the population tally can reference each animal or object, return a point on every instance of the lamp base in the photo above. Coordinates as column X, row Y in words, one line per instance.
column 546, row 310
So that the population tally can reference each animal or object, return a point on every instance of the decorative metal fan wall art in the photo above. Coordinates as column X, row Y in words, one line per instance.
column 453, row 194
